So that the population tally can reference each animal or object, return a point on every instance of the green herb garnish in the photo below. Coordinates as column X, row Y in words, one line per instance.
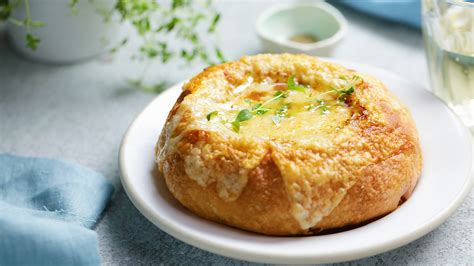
column 280, row 113
column 293, row 86
column 214, row 22
column 343, row 94
column 242, row 116
column 283, row 110
column 259, row 109
column 321, row 105
column 235, row 126
column 32, row 41
column 211, row 115
column 278, row 95
column 345, row 91
column 357, row 78
column 324, row 109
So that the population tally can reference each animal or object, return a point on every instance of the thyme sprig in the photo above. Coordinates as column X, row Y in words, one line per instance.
column 258, row 109
column 321, row 105
column 6, row 8
column 343, row 93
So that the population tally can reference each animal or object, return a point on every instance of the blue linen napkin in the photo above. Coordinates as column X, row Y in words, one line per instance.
column 47, row 208
column 403, row 11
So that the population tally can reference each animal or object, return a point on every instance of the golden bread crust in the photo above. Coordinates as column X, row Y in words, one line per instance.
column 350, row 174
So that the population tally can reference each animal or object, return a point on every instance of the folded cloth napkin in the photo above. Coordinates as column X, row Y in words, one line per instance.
column 47, row 208
column 403, row 11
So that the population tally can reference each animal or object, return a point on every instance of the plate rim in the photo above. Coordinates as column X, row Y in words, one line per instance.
column 268, row 257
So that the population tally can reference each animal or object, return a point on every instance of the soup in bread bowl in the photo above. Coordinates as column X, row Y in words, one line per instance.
column 285, row 144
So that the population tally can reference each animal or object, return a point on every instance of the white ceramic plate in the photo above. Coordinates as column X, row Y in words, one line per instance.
column 445, row 182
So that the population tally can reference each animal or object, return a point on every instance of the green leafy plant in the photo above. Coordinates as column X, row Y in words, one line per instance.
column 157, row 24
column 6, row 8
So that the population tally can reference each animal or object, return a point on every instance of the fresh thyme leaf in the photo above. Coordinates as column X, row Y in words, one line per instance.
column 300, row 88
column 279, row 94
column 214, row 22
column 259, row 109
column 235, row 126
column 170, row 26
column 347, row 91
column 142, row 25
column 276, row 119
column 188, row 56
column 118, row 46
column 342, row 98
column 291, row 83
column 262, row 111
column 321, row 105
column 32, row 41
column 324, row 110
column 73, row 3
column 178, row 3
column 356, row 78
column 220, row 55
column 320, row 102
column 258, row 105
column 344, row 91
column 283, row 110
column 243, row 115
column 211, row 115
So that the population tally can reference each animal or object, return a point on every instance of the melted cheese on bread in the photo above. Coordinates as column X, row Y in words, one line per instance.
column 319, row 152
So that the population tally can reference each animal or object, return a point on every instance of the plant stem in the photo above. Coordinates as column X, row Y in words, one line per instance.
column 28, row 15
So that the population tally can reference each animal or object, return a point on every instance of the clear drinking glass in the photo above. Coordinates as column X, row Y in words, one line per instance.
column 448, row 31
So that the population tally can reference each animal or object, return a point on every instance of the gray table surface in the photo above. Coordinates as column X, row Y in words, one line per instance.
column 80, row 113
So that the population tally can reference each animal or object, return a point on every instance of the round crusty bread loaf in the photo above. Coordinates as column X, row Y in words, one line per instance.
column 288, row 145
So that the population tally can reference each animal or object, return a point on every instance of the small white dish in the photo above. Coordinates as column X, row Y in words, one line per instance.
column 445, row 182
column 277, row 25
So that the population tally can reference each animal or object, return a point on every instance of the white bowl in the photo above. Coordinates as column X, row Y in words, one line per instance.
column 278, row 24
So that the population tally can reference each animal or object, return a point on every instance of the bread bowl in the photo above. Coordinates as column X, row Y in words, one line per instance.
column 288, row 145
